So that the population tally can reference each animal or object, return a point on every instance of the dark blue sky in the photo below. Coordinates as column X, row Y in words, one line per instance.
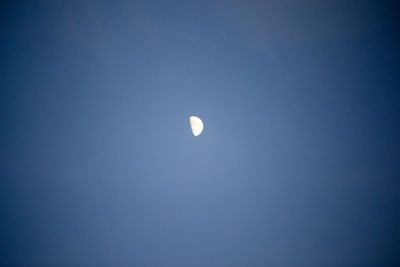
column 298, row 163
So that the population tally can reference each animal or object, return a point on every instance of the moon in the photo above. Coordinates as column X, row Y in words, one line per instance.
column 196, row 124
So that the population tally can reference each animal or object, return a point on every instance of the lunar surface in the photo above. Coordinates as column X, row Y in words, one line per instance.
column 196, row 124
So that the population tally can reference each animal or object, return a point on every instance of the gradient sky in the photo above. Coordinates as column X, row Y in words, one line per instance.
column 298, row 163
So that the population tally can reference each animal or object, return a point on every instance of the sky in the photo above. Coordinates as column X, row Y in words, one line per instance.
column 298, row 163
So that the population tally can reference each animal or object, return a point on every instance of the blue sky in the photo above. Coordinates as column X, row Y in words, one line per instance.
column 298, row 163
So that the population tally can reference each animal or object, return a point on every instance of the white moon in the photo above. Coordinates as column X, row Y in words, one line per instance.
column 196, row 124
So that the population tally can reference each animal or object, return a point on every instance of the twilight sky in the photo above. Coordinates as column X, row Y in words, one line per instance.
column 298, row 163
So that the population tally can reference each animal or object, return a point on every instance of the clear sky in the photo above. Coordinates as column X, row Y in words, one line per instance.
column 298, row 163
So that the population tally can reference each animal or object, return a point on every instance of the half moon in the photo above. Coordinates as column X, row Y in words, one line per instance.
column 196, row 124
